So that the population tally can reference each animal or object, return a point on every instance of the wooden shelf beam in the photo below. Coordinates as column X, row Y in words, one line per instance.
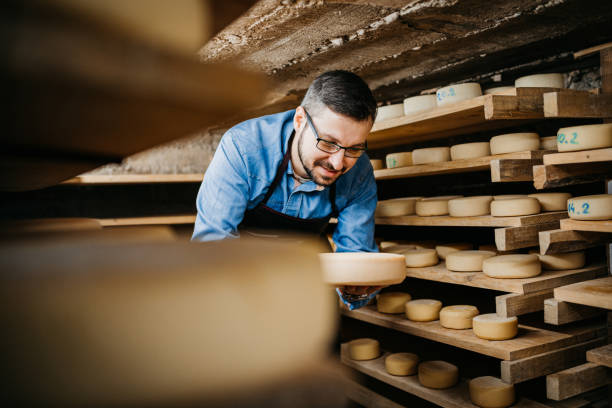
column 160, row 220
column 584, row 157
column 576, row 380
column 577, row 105
column 603, row 226
column 515, row 304
column 481, row 221
column 558, row 312
column 595, row 293
column 558, row 241
column 601, row 355
column 102, row 179
column 550, row 176
column 507, row 239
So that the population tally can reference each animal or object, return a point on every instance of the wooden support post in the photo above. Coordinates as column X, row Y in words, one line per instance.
column 577, row 105
column 601, row 355
column 605, row 57
column 514, row 304
column 559, row 241
column 510, row 170
column 575, row 380
column 549, row 176
column 507, row 239
column 558, row 312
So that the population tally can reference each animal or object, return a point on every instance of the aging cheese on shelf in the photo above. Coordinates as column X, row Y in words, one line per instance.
column 362, row 268
column 467, row 261
column 490, row 326
column 587, row 137
column 364, row 349
column 392, row 302
column 396, row 207
column 561, row 262
column 458, row 316
column 592, row 207
column 420, row 257
column 438, row 374
column 431, row 206
column 431, row 155
column 513, row 266
column 548, row 143
column 423, row 310
column 514, row 142
column 470, row 206
column 470, row 150
column 444, row 249
column 377, row 164
column 456, row 93
column 540, row 81
column 552, row 201
column 420, row 103
column 515, row 207
column 402, row 363
column 491, row 392
column 401, row 159
column 389, row 112
column 500, row 90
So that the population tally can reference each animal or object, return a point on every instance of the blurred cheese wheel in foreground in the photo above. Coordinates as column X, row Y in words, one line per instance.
column 467, row 261
column 500, row 90
column 432, row 206
column 490, row 326
column 593, row 207
column 362, row 268
column 396, row 207
column 469, row 206
column 431, row 155
column 491, row 392
column 470, row 150
column 515, row 207
column 438, row 374
column 377, row 164
column 512, row 266
column 389, row 112
column 458, row 316
column 548, row 143
column 401, row 159
column 392, row 302
column 420, row 257
column 456, row 93
column 423, row 310
column 444, row 249
column 514, row 142
column 552, row 201
column 540, row 81
column 364, row 349
column 402, row 364
column 561, row 262
column 587, row 137
column 421, row 103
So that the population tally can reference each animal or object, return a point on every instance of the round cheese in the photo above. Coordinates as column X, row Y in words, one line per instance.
column 423, row 310
column 512, row 266
column 427, row 207
column 377, row 164
column 470, row 150
column 467, row 261
column 561, row 262
column 469, row 206
column 592, row 207
column 456, row 93
column 431, row 155
column 420, row 257
column 500, row 90
column 548, row 143
column 514, row 142
column 364, row 349
column 421, row 103
column 458, row 316
column 389, row 112
column 490, row 326
column 396, row 207
column 402, row 363
column 552, row 201
column 509, row 196
column 392, row 302
column 362, row 268
column 444, row 249
column 438, row 374
column 540, row 81
column 491, row 392
column 515, row 207
column 571, row 139
column 401, row 159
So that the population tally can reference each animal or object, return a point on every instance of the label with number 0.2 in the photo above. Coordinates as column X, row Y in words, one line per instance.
column 562, row 138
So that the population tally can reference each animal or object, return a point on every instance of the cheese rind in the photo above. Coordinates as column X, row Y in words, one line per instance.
column 456, row 93
column 490, row 326
column 364, row 349
column 444, row 249
column 392, row 302
column 514, row 142
column 515, row 207
column 548, row 143
column 552, row 201
column 362, row 268
column 458, row 317
column 470, row 206
column 438, row 374
column 432, row 206
column 514, row 266
column 500, row 90
column 587, row 137
column 420, row 257
column 396, row 207
column 491, row 392
column 431, row 155
column 402, row 364
column 420, row 103
column 540, row 81
column 377, row 164
column 401, row 159
column 593, row 207
column 470, row 150
column 561, row 262
column 467, row 261
column 509, row 196
column 389, row 112
column 423, row 310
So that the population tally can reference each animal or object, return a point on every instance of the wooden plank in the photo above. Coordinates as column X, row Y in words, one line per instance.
column 550, row 176
column 524, row 369
column 601, row 355
column 515, row 304
column 592, row 50
column 366, row 397
column 595, row 292
column 507, row 239
column 546, row 280
column 134, row 178
column 575, row 380
column 595, row 226
column 511, row 170
column 579, row 401
column 161, row 220
column 481, row 221
column 587, row 156
column 559, row 241
column 48, row 225
column 558, row 312
column 584, row 105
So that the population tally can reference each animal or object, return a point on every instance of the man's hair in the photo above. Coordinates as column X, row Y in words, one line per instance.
column 343, row 92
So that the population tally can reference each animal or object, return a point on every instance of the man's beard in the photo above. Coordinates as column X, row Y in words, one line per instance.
column 320, row 180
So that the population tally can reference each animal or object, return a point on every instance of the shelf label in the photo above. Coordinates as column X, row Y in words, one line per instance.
column 583, row 209
column 562, row 138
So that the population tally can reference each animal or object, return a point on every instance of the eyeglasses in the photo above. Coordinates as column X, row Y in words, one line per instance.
column 331, row 147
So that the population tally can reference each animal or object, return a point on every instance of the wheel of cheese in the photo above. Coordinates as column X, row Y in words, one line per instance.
column 458, row 316
column 377, row 164
column 500, row 90
column 444, row 249
column 364, row 349
column 467, row 261
column 469, row 206
column 552, row 201
column 431, row 155
column 423, row 310
column 491, row 392
column 540, row 81
column 561, row 262
column 509, row 196
column 431, row 206
column 402, row 364
column 515, row 207
column 548, row 143
column 571, row 139
column 401, row 159
column 470, row 150
column 392, row 302
column 456, row 93
column 396, row 207
column 438, row 374
column 420, row 103
column 514, row 142
column 420, row 258
column 592, row 207
column 362, row 268
column 389, row 112
column 490, row 326
column 512, row 266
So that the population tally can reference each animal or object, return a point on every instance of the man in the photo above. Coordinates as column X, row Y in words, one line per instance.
column 294, row 170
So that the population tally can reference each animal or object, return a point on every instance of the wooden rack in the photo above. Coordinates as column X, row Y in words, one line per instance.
column 480, row 221
column 562, row 169
column 159, row 220
column 594, row 226
column 595, row 293
column 103, row 179
column 562, row 240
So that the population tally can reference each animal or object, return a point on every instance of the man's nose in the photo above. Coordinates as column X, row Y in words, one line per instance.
column 336, row 159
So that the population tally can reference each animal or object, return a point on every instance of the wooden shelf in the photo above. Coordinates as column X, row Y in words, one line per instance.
column 584, row 157
column 596, row 293
column 547, row 280
column 558, row 312
column 595, row 226
column 562, row 169
column 481, row 221
column 161, row 220
column 601, row 355
column 366, row 397
column 559, row 241
column 577, row 104
column 101, row 179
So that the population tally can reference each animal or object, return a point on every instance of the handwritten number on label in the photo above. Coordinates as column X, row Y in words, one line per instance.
column 561, row 138
column 574, row 136
column 585, row 208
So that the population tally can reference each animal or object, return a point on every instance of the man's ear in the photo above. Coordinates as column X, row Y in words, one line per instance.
column 299, row 119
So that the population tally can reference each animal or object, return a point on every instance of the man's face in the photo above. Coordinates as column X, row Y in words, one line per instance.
column 325, row 168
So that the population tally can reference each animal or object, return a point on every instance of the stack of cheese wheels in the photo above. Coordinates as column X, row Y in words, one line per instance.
column 431, row 155
column 552, row 201
column 515, row 207
column 396, row 207
column 491, row 326
column 587, row 137
column 431, row 206
column 401, row 159
column 561, row 262
column 438, row 374
column 377, row 164
column 508, row 196
column 458, row 316
column 402, row 364
column 491, row 392
column 364, row 349
column 420, row 257
column 592, row 207
column 470, row 150
column 467, row 261
column 548, row 143
column 540, row 81
column 362, row 268
column 512, row 266
column 421, row 103
column 469, row 206
column 500, row 90
column 514, row 142
column 444, row 249
column 423, row 310
column 392, row 302
column 456, row 93
column 389, row 112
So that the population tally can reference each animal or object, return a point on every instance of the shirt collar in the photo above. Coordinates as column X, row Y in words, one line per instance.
column 307, row 186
